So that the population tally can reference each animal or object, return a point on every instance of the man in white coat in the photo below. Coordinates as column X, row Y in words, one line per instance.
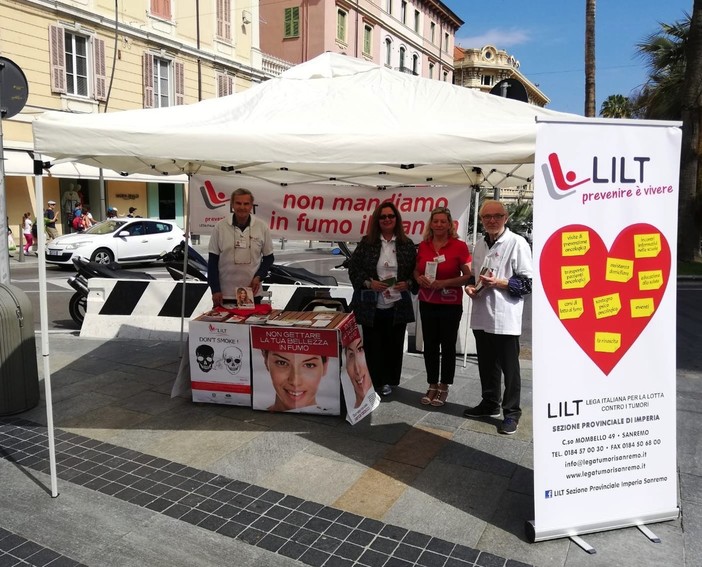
column 240, row 251
column 503, row 268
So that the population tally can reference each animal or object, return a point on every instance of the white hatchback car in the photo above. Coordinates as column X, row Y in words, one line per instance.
column 122, row 240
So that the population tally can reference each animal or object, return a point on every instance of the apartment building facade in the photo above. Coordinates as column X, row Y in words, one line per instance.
column 482, row 68
column 90, row 56
column 413, row 36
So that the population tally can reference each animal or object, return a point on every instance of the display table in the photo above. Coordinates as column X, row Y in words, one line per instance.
column 287, row 361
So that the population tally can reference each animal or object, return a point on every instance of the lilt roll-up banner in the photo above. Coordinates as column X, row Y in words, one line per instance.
column 605, row 233
column 321, row 211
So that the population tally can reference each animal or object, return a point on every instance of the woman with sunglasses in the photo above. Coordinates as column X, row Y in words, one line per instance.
column 443, row 268
column 380, row 271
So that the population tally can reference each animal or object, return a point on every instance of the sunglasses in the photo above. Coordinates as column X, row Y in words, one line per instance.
column 440, row 210
column 386, row 217
column 492, row 217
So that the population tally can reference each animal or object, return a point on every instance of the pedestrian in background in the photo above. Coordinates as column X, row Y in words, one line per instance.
column 380, row 271
column 443, row 268
column 88, row 219
column 50, row 217
column 502, row 262
column 27, row 232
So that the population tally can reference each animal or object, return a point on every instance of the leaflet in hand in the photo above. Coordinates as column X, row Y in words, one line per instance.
column 485, row 271
column 430, row 270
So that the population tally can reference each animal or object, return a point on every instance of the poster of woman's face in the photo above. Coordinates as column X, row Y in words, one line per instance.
column 359, row 394
column 289, row 376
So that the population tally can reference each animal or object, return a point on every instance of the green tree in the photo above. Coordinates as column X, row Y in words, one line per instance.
column 590, row 58
column 616, row 106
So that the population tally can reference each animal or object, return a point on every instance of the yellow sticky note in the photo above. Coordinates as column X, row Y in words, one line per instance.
column 619, row 270
column 647, row 245
column 575, row 243
column 642, row 307
column 574, row 277
column 607, row 305
column 570, row 308
column 607, row 342
column 651, row 279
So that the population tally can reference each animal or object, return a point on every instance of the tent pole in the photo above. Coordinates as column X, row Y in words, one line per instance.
column 44, row 320
column 186, row 249
column 476, row 190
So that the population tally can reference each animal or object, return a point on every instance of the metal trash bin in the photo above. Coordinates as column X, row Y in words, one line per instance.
column 19, row 375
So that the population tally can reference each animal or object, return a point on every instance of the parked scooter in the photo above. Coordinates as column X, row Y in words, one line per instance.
column 196, row 268
column 278, row 274
column 86, row 269
column 342, row 249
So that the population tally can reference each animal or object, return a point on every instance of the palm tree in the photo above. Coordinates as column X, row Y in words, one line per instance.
column 665, row 56
column 672, row 92
column 616, row 106
column 690, row 202
column 521, row 217
column 590, row 58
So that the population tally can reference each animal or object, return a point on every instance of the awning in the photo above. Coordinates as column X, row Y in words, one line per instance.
column 20, row 163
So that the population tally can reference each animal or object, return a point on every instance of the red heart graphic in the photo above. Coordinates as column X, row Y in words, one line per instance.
column 605, row 298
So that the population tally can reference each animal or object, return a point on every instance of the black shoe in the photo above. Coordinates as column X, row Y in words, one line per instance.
column 386, row 390
column 509, row 426
column 481, row 411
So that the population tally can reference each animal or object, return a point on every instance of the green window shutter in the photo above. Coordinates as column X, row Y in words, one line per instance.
column 367, row 39
column 341, row 25
column 296, row 21
column 292, row 22
column 288, row 23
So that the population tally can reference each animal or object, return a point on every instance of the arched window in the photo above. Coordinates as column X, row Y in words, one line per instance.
column 388, row 51
column 402, row 58
column 415, row 64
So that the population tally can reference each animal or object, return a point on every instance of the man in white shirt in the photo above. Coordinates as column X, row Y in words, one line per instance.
column 240, row 251
column 502, row 264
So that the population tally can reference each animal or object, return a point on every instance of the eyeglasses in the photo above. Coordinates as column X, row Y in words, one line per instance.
column 440, row 210
column 493, row 217
column 386, row 217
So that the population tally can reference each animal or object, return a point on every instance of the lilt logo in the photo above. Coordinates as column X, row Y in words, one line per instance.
column 212, row 198
column 559, row 185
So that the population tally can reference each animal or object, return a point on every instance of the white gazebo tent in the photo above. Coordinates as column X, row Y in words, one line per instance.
column 333, row 118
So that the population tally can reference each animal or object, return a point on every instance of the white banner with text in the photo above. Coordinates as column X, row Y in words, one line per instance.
column 319, row 211
column 605, row 233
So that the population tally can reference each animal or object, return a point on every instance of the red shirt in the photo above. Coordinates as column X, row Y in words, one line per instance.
column 456, row 254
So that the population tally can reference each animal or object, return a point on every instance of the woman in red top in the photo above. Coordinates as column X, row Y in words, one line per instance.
column 443, row 268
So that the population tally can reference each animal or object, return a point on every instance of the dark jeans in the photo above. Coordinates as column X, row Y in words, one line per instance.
column 384, row 345
column 439, row 332
column 498, row 355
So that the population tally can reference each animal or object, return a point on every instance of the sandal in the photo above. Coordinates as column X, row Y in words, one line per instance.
column 440, row 399
column 428, row 398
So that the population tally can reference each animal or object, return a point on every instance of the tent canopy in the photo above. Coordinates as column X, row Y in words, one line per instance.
column 334, row 118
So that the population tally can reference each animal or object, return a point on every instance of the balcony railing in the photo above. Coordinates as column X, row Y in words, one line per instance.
column 273, row 66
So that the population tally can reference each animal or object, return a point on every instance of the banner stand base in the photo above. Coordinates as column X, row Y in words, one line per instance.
column 582, row 544
column 533, row 535
column 649, row 534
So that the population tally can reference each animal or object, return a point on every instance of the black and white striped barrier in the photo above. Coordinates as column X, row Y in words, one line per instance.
column 142, row 309
column 151, row 309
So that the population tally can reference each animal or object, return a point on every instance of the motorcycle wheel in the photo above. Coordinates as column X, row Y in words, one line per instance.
column 77, row 306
